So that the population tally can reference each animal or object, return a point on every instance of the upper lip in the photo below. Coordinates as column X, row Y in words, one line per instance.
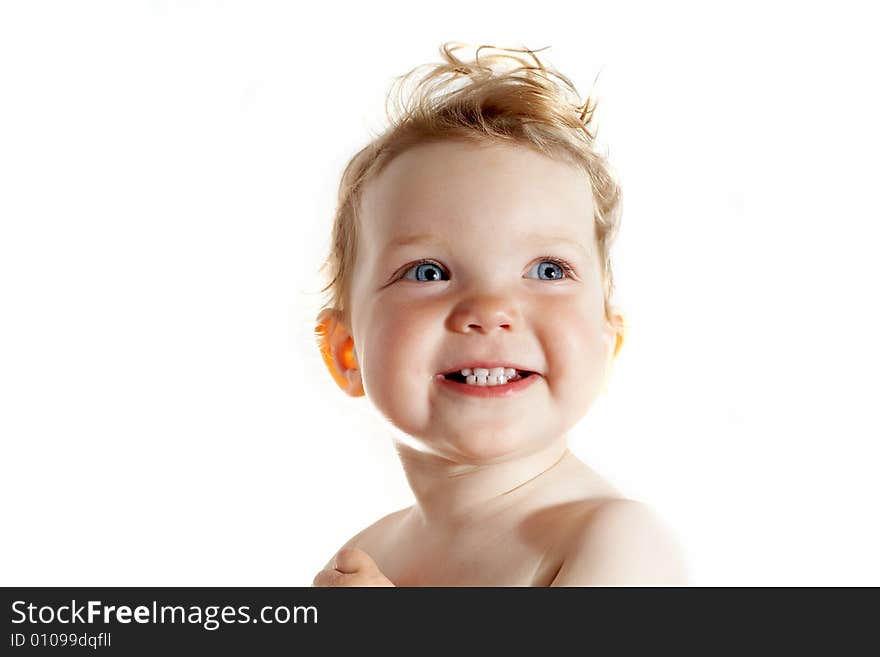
column 487, row 364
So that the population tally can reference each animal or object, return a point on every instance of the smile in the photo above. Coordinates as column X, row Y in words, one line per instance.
column 487, row 376
column 459, row 383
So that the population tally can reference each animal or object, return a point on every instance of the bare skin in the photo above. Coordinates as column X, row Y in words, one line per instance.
column 523, row 545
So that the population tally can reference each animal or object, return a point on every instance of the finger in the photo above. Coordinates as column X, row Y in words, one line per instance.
column 327, row 578
column 352, row 560
column 333, row 578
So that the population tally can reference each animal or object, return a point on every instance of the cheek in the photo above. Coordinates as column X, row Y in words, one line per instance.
column 396, row 351
column 577, row 350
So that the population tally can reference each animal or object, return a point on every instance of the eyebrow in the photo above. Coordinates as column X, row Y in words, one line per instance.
column 534, row 239
column 425, row 238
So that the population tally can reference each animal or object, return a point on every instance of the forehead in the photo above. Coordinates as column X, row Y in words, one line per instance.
column 476, row 191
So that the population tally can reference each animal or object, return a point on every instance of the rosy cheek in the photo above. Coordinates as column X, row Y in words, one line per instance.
column 578, row 341
column 393, row 333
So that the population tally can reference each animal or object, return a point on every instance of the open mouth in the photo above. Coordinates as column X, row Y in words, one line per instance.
column 458, row 377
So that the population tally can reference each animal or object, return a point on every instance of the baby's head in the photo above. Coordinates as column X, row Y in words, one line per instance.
column 475, row 232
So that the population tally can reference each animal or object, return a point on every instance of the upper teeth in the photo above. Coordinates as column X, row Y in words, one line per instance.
column 482, row 376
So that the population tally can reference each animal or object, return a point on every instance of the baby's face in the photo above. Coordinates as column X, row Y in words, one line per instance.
column 492, row 225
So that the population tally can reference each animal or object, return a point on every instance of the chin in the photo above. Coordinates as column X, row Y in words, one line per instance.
column 486, row 446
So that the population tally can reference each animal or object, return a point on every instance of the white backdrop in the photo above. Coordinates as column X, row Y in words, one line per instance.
column 168, row 173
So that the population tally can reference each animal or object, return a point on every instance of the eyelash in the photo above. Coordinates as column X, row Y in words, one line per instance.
column 567, row 268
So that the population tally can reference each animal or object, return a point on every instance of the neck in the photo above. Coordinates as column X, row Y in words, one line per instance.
column 455, row 496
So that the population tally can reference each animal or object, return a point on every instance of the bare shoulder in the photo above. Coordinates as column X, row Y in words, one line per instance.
column 367, row 538
column 622, row 542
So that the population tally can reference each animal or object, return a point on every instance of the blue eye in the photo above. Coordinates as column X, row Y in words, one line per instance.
column 551, row 269
column 425, row 272
column 548, row 269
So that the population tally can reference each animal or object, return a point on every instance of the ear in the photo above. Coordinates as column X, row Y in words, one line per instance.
column 616, row 335
column 617, row 324
column 337, row 349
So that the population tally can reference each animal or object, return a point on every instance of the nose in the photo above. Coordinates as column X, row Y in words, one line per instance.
column 484, row 314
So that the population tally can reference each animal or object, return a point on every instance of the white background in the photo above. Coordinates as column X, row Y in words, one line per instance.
column 168, row 173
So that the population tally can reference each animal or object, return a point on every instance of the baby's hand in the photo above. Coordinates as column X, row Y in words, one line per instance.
column 352, row 567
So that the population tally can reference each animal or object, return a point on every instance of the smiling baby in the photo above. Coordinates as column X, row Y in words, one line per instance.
column 470, row 288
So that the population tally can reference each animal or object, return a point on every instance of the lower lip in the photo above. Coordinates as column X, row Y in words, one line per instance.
column 505, row 390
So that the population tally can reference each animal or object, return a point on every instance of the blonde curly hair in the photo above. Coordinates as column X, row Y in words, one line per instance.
column 470, row 101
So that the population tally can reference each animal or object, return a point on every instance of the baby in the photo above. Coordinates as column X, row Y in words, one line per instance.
column 470, row 302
